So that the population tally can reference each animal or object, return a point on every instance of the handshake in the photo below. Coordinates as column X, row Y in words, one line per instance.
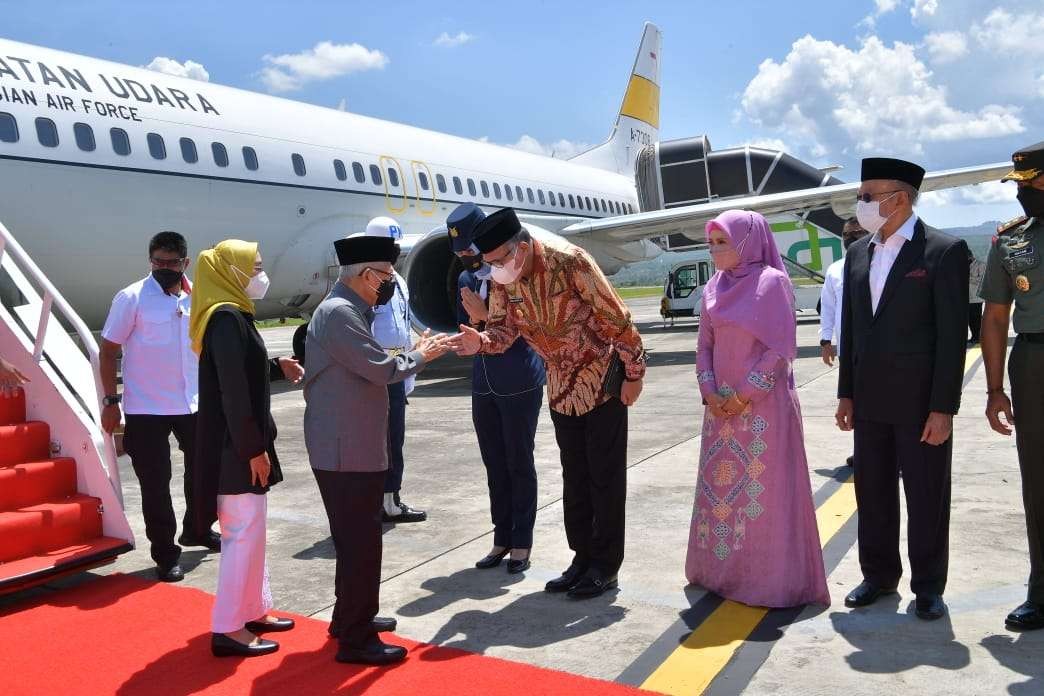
column 467, row 342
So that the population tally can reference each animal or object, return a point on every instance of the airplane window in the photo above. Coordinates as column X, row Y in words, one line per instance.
column 46, row 132
column 588, row 200
column 299, row 165
column 604, row 208
column 561, row 200
column 529, row 195
column 8, row 128
column 393, row 177
column 157, row 148
column 572, row 203
column 120, row 141
column 485, row 189
column 250, row 158
column 423, row 180
column 220, row 154
column 188, row 151
column 518, row 194
column 507, row 192
column 551, row 196
column 457, row 186
column 540, row 193
column 471, row 187
column 359, row 172
column 496, row 189
column 440, row 181
column 375, row 174
column 339, row 171
column 84, row 137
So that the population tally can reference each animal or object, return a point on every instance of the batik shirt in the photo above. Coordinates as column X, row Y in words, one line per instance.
column 567, row 310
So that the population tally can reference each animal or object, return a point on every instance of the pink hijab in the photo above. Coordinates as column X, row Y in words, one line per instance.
column 757, row 294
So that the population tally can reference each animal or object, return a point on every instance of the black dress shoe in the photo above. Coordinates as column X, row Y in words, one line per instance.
column 171, row 574
column 212, row 541
column 492, row 560
column 1029, row 616
column 850, row 461
column 865, row 594
column 374, row 653
column 223, row 646
column 277, row 626
column 592, row 584
column 929, row 607
column 518, row 566
column 406, row 513
column 380, row 624
column 569, row 577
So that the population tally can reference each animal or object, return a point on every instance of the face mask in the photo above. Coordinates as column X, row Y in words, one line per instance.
column 509, row 272
column 167, row 278
column 869, row 215
column 725, row 259
column 257, row 285
column 1032, row 201
column 471, row 263
column 484, row 272
column 385, row 291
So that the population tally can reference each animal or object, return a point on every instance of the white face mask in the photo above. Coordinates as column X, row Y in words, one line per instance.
column 509, row 272
column 869, row 215
column 257, row 285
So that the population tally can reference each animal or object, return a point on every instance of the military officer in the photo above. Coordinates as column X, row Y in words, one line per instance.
column 506, row 394
column 1014, row 274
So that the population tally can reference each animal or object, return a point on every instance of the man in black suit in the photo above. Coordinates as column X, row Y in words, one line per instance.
column 903, row 329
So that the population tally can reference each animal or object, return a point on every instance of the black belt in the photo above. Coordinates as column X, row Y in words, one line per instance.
column 1032, row 337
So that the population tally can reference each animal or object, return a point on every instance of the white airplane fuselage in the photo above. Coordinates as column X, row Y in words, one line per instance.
column 86, row 215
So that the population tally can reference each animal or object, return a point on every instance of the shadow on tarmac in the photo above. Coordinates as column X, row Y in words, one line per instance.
column 1022, row 655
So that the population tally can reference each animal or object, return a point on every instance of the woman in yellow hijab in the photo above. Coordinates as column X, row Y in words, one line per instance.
column 235, row 434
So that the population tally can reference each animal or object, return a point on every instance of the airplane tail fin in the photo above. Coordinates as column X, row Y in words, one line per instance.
column 638, row 123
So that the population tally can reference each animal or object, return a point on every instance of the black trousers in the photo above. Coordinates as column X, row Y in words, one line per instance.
column 1026, row 373
column 882, row 452
column 594, row 482
column 975, row 320
column 506, row 428
column 353, row 507
column 147, row 440
column 396, row 436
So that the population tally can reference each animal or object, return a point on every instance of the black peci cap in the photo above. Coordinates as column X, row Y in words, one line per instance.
column 361, row 248
column 896, row 169
column 496, row 230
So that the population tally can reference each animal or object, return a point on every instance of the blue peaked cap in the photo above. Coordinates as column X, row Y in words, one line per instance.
column 461, row 225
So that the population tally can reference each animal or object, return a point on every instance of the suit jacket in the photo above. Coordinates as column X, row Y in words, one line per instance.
column 907, row 359
column 515, row 371
column 346, row 395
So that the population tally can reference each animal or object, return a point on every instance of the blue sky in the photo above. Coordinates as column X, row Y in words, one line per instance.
column 930, row 80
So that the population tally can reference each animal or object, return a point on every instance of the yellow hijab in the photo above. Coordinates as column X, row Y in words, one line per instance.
column 216, row 284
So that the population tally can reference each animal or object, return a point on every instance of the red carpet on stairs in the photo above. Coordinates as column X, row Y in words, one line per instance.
column 123, row 635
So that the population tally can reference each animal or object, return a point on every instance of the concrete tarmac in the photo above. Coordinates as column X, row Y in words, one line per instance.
column 429, row 581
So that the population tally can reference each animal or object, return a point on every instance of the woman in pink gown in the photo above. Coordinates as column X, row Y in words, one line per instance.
column 753, row 537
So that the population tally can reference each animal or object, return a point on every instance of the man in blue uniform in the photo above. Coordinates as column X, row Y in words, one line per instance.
column 507, row 392
column 391, row 328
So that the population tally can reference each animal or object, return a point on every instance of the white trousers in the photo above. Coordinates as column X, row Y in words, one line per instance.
column 242, row 594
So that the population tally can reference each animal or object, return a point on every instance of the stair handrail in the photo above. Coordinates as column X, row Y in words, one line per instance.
column 52, row 299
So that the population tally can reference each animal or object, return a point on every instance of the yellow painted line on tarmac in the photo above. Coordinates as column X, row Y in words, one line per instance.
column 694, row 664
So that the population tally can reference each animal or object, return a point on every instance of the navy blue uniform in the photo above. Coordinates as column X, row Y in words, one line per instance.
column 507, row 392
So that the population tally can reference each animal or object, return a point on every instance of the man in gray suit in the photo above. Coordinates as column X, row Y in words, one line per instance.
column 346, row 433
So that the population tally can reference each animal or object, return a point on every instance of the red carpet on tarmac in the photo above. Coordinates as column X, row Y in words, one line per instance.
column 123, row 635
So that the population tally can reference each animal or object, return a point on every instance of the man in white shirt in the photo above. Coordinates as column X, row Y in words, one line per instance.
column 149, row 322
column 392, row 328
column 830, row 297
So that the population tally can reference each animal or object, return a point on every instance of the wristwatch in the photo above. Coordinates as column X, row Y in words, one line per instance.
column 112, row 400
column 824, row 342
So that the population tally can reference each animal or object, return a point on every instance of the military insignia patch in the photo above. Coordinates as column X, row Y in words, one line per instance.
column 453, row 232
column 1022, row 283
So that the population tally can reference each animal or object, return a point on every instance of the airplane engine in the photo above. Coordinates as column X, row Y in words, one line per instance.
column 676, row 173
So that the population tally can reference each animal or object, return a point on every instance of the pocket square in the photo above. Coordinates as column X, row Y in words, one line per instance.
column 917, row 273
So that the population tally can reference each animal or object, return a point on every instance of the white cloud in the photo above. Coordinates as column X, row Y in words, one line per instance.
column 444, row 40
column 946, row 46
column 1002, row 32
column 768, row 144
column 560, row 149
column 886, row 6
column 291, row 71
column 987, row 193
column 924, row 8
column 833, row 100
column 190, row 68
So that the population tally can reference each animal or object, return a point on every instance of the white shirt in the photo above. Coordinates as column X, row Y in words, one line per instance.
column 391, row 323
column 830, row 303
column 160, row 370
column 885, row 255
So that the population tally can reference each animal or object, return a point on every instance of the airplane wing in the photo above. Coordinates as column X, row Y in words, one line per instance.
column 690, row 220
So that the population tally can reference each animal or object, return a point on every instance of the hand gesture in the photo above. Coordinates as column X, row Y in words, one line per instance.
column 845, row 416
column 260, row 469
column 714, row 403
column 733, row 406
column 10, row 378
column 467, row 342
column 292, row 370
column 474, row 305
column 433, row 347
column 996, row 404
column 938, row 428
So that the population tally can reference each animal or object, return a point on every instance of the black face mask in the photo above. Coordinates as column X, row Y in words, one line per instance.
column 471, row 263
column 385, row 291
column 167, row 278
column 1032, row 200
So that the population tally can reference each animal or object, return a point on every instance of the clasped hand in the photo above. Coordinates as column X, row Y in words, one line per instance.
column 432, row 346
column 726, row 407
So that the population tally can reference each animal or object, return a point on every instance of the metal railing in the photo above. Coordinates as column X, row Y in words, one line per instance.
column 53, row 301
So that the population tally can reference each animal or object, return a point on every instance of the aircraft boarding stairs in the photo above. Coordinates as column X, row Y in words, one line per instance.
column 61, row 504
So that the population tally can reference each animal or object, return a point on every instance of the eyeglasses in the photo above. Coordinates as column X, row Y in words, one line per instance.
column 867, row 197
column 502, row 261
column 167, row 263
column 383, row 274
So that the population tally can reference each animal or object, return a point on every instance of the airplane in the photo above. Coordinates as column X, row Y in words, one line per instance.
column 95, row 157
